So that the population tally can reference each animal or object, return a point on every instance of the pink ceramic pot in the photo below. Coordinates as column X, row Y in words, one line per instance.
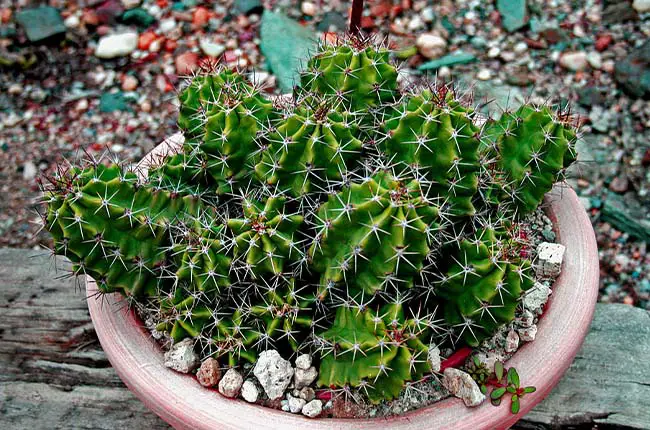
column 183, row 403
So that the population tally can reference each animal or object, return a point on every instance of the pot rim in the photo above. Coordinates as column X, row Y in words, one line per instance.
column 182, row 402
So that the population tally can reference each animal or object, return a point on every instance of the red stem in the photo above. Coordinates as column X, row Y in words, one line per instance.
column 355, row 17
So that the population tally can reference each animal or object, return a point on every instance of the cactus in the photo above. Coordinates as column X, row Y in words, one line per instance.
column 201, row 255
column 113, row 228
column 285, row 313
column 308, row 149
column 483, row 284
column 373, row 235
column 265, row 239
column 360, row 223
column 354, row 70
column 223, row 114
column 530, row 149
column 434, row 133
column 375, row 350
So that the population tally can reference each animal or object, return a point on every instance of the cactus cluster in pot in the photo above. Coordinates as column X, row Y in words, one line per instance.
column 359, row 221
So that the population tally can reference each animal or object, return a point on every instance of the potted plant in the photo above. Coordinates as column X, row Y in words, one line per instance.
column 369, row 229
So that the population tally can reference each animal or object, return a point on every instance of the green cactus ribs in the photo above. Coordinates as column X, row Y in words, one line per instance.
column 265, row 239
column 285, row 313
column 113, row 228
column 373, row 235
column 183, row 172
column 219, row 330
column 433, row 132
column 531, row 149
column 355, row 70
column 225, row 116
column 200, row 250
column 483, row 283
column 309, row 149
column 375, row 351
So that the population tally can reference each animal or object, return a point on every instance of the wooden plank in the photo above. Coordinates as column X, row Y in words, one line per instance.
column 608, row 383
column 53, row 373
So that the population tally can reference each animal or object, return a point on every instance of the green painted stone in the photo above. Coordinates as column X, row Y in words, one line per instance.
column 137, row 16
column 452, row 59
column 286, row 45
column 40, row 23
column 513, row 14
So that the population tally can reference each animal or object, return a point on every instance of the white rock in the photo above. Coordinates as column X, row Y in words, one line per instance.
column 29, row 171
column 167, row 25
column 578, row 31
column 428, row 14
column 274, row 373
column 72, row 21
column 444, row 72
column 308, row 8
column 249, row 391
column 641, row 6
column 117, row 45
column 574, row 61
column 512, row 341
column 434, row 358
column 461, row 385
column 303, row 362
column 520, row 47
column 494, row 52
column 484, row 75
column 211, row 49
column 130, row 4
column 285, row 405
column 181, row 357
column 304, row 378
column 231, row 383
column 431, row 45
column 313, row 408
column 595, row 60
column 549, row 259
column 295, row 404
column 508, row 56
column 527, row 334
column 259, row 77
column 537, row 297
column 415, row 23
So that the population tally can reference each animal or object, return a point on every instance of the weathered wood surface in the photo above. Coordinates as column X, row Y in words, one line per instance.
column 53, row 373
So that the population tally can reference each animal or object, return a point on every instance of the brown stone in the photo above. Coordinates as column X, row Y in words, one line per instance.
column 209, row 373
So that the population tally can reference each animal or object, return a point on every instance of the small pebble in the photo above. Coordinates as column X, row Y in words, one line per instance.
column 313, row 408
column 249, row 391
column 231, row 383
column 431, row 45
column 209, row 373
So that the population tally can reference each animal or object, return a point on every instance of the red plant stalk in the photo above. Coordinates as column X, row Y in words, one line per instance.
column 355, row 16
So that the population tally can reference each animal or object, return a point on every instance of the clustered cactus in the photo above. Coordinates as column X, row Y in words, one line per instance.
column 359, row 222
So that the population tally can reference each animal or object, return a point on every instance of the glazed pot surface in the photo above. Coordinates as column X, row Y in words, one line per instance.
column 182, row 402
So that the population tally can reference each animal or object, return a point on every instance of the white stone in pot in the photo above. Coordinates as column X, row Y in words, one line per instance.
column 461, row 385
column 249, row 391
column 273, row 372
column 231, row 383
column 313, row 408
column 181, row 357
column 549, row 259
